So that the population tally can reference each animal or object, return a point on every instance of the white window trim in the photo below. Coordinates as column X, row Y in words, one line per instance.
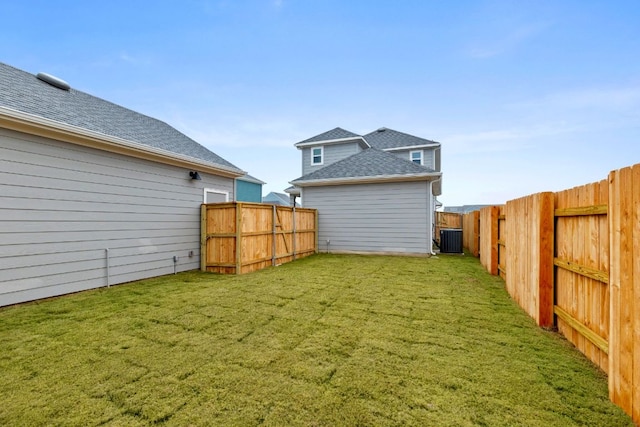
column 216, row 191
column 421, row 156
column 321, row 156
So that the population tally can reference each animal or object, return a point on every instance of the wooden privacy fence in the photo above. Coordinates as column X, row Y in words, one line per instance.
column 446, row 220
column 471, row 232
column 572, row 259
column 240, row 238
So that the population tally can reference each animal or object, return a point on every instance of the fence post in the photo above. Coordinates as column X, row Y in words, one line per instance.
column 273, row 235
column 489, row 238
column 238, row 238
column 530, row 230
column 203, row 237
column 317, row 235
column 546, row 276
column 624, row 287
column 293, row 244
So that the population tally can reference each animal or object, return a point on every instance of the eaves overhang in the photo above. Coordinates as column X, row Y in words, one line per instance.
column 430, row 176
column 251, row 179
column 412, row 147
column 35, row 125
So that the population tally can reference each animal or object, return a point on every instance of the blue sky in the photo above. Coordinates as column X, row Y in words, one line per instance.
column 525, row 96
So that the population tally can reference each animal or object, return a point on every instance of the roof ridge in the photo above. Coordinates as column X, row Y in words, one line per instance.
column 22, row 91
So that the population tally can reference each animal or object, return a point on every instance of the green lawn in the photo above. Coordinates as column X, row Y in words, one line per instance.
column 325, row 341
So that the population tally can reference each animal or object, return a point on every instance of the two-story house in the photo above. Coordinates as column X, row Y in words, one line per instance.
column 374, row 192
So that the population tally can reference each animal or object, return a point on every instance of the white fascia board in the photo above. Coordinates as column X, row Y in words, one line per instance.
column 47, row 128
column 247, row 178
column 429, row 176
column 300, row 145
column 412, row 147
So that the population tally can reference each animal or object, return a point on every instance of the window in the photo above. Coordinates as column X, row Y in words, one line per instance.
column 316, row 155
column 212, row 195
column 416, row 157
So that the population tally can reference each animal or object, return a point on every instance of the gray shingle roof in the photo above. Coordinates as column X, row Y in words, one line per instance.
column 278, row 198
column 249, row 178
column 388, row 138
column 367, row 163
column 337, row 133
column 24, row 92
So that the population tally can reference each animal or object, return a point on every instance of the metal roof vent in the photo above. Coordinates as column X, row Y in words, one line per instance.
column 382, row 129
column 53, row 81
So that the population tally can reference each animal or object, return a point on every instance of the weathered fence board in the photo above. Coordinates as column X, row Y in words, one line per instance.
column 244, row 237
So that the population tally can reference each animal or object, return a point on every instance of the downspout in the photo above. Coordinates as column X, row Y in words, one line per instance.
column 432, row 209
column 274, row 236
column 294, row 233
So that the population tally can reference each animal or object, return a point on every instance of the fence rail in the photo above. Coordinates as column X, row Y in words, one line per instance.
column 571, row 259
column 240, row 238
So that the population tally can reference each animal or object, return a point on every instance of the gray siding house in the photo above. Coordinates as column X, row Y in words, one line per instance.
column 93, row 194
column 374, row 193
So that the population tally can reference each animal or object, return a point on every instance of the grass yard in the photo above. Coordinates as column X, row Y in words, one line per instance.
column 325, row 341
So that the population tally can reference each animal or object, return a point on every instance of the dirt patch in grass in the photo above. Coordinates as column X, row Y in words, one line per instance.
column 328, row 340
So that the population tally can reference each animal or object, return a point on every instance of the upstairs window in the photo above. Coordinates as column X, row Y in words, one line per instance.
column 316, row 155
column 416, row 157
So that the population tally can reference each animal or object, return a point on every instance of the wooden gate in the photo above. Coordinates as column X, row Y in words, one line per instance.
column 243, row 237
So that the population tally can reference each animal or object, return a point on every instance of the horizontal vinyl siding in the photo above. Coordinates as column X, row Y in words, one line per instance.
column 248, row 191
column 62, row 206
column 428, row 156
column 389, row 217
column 331, row 154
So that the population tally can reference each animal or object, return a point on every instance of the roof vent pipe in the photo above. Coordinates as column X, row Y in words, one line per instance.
column 53, row 81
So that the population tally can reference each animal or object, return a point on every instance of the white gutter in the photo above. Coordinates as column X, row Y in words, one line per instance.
column 413, row 147
column 40, row 126
column 430, row 176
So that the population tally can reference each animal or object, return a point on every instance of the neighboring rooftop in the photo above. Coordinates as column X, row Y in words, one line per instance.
column 249, row 178
column 385, row 138
column 464, row 208
column 26, row 93
column 277, row 199
column 333, row 134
